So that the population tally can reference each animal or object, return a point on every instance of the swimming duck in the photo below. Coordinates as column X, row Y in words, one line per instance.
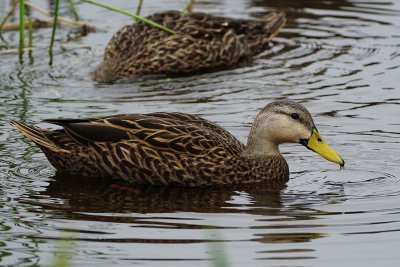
column 171, row 148
column 201, row 42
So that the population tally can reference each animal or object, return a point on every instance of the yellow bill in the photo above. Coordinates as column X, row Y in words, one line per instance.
column 318, row 145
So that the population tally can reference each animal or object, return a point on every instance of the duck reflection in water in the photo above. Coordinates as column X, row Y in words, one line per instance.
column 85, row 198
column 91, row 194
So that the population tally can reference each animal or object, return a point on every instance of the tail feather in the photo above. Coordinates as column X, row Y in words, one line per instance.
column 37, row 135
column 275, row 22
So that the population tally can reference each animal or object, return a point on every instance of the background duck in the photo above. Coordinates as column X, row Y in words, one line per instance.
column 178, row 148
column 201, row 42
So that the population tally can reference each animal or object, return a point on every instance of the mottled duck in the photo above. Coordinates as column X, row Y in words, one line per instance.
column 201, row 42
column 171, row 148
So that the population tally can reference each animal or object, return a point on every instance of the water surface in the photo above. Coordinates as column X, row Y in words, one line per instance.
column 339, row 58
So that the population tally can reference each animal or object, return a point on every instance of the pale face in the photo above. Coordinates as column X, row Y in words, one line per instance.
column 283, row 124
column 286, row 129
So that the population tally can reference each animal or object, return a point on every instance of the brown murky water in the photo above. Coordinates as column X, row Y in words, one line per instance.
column 339, row 58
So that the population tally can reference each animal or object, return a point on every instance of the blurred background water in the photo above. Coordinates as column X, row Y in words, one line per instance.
column 340, row 58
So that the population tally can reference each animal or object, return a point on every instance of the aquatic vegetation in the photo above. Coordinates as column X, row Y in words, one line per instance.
column 136, row 17
column 27, row 22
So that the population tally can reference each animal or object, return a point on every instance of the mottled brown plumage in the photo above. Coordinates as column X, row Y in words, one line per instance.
column 202, row 42
column 173, row 148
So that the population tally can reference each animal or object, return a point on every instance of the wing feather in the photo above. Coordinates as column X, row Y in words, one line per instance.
column 155, row 148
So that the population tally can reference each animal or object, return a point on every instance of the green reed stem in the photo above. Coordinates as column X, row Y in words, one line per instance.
column 139, row 18
column 189, row 7
column 21, row 24
column 64, row 253
column 9, row 13
column 73, row 8
column 216, row 249
column 139, row 7
column 53, row 32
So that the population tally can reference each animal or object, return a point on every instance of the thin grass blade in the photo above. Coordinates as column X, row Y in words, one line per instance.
column 21, row 25
column 53, row 32
column 73, row 8
column 139, row 7
column 139, row 18
column 9, row 13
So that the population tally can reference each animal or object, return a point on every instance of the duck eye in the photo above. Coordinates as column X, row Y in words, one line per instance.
column 295, row 116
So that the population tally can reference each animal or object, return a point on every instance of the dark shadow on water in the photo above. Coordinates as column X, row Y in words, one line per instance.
column 295, row 5
column 345, row 10
column 83, row 194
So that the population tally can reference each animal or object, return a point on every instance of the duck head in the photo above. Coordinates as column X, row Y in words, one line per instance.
column 287, row 122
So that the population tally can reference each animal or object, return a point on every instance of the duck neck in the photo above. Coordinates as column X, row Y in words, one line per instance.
column 264, row 161
column 260, row 148
column 264, row 139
